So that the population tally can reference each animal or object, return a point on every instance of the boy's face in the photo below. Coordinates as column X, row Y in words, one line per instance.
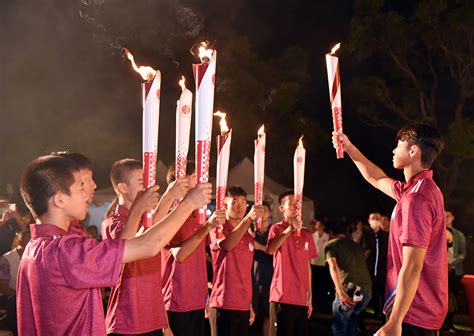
column 401, row 155
column 75, row 205
column 134, row 184
column 287, row 206
column 89, row 184
column 266, row 213
column 236, row 206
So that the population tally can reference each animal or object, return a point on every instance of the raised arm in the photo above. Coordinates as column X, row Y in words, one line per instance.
column 337, row 280
column 145, row 201
column 228, row 243
column 372, row 173
column 155, row 238
column 175, row 191
column 182, row 252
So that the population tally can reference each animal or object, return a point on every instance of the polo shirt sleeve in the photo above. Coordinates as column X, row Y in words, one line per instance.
column 397, row 188
column 87, row 263
column 275, row 230
column 213, row 240
column 330, row 251
column 111, row 227
column 417, row 221
column 312, row 252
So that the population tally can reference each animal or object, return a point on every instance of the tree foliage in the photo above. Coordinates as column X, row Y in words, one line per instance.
column 420, row 65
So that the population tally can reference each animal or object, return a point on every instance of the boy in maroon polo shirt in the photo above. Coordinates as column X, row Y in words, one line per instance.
column 290, row 291
column 232, row 258
column 60, row 274
column 184, row 270
column 136, row 304
column 416, row 295
column 85, row 170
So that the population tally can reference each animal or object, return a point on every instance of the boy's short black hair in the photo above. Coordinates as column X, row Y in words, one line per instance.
column 426, row 137
column 44, row 177
column 284, row 194
column 81, row 161
column 235, row 191
column 340, row 226
column 265, row 203
column 121, row 168
column 171, row 175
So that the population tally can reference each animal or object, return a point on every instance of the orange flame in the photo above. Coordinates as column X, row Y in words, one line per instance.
column 261, row 130
column 205, row 54
column 146, row 72
column 300, row 142
column 335, row 48
column 222, row 122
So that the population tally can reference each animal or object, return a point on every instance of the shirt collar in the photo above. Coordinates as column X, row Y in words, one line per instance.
column 122, row 211
column 46, row 230
column 424, row 174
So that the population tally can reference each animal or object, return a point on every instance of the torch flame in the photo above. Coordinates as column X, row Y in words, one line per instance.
column 300, row 142
column 261, row 130
column 205, row 54
column 146, row 72
column 222, row 122
column 335, row 48
column 181, row 83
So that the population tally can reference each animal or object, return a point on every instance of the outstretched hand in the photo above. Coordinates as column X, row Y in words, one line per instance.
column 339, row 137
column 200, row 195
column 147, row 200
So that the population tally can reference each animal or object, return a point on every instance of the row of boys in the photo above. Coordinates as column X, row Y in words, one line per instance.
column 62, row 270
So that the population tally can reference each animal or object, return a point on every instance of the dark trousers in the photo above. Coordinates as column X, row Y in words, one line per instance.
column 151, row 333
column 288, row 320
column 187, row 323
column 411, row 330
column 229, row 322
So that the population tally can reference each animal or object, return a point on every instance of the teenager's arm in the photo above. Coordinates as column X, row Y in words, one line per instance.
column 372, row 173
column 228, row 243
column 145, row 201
column 310, row 292
column 155, row 238
column 407, row 284
column 337, row 280
column 175, row 191
column 275, row 243
column 182, row 252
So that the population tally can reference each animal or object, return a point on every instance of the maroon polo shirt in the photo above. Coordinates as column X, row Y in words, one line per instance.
column 232, row 283
column 290, row 282
column 136, row 304
column 59, row 279
column 184, row 283
column 76, row 227
column 418, row 220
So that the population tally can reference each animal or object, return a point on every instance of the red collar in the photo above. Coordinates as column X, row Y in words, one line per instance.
column 46, row 230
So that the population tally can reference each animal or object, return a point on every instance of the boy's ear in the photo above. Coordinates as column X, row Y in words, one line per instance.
column 57, row 200
column 122, row 187
column 280, row 207
column 414, row 149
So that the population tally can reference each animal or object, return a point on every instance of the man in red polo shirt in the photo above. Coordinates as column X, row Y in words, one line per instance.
column 232, row 258
column 184, row 271
column 136, row 305
column 290, row 291
column 60, row 273
column 416, row 295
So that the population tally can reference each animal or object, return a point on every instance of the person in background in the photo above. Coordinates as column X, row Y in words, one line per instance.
column 262, row 271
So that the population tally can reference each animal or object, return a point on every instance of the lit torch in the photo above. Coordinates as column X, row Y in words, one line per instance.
column 151, row 115
column 298, row 166
column 204, row 75
column 334, row 80
column 223, row 154
column 183, row 127
column 259, row 169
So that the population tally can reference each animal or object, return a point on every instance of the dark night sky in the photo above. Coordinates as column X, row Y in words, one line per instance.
column 64, row 84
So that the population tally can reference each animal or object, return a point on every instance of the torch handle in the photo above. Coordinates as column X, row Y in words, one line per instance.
column 337, row 123
column 203, row 151
column 299, row 210
column 220, row 198
column 149, row 180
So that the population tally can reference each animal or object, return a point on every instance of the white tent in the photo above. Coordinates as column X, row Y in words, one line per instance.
column 243, row 175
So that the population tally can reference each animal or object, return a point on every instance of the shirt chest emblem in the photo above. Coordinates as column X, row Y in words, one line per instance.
column 306, row 246
column 251, row 247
